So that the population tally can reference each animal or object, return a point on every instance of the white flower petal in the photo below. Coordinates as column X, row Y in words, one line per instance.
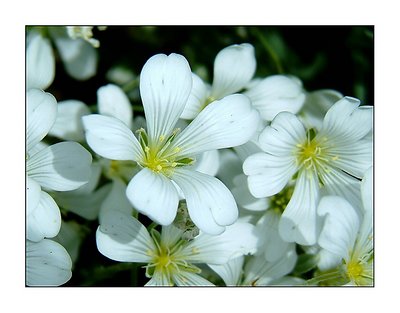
column 116, row 200
column 364, row 242
column 165, row 84
column 276, row 94
column 282, row 136
column 299, row 219
column 225, row 123
column 78, row 56
column 316, row 105
column 44, row 220
column 40, row 62
column 153, row 195
column 340, row 226
column 84, row 205
column 112, row 101
column 272, row 244
column 170, row 235
column 229, row 272
column 328, row 260
column 121, row 237
column 238, row 239
column 190, row 279
column 197, row 99
column 336, row 182
column 268, row 174
column 354, row 158
column 260, row 272
column 210, row 204
column 70, row 237
column 159, row 278
column 61, row 167
column 234, row 66
column 243, row 196
column 41, row 114
column 47, row 264
column 347, row 122
column 366, row 191
column 249, row 148
column 68, row 125
column 111, row 138
column 208, row 162
column 95, row 175
column 232, row 166
column 33, row 192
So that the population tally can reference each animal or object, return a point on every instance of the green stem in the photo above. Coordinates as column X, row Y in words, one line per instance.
column 270, row 50
column 323, row 277
column 138, row 108
column 130, row 85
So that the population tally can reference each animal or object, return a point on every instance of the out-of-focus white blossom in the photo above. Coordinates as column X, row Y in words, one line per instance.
column 234, row 66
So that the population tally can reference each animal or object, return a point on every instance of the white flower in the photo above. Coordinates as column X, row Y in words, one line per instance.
column 234, row 66
column 112, row 101
column 70, row 237
column 77, row 54
column 276, row 93
column 60, row 167
column 47, row 263
column 332, row 159
column 347, row 237
column 168, row 257
column 68, row 124
column 165, row 155
column 87, row 200
column 258, row 271
column 316, row 105
column 84, row 32
column 40, row 61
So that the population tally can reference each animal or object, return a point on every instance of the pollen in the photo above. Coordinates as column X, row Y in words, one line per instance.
column 161, row 155
column 354, row 270
column 195, row 250
column 314, row 154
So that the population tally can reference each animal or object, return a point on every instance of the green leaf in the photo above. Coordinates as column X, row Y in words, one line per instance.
column 305, row 263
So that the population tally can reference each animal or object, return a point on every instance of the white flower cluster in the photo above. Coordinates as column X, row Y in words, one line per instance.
column 249, row 181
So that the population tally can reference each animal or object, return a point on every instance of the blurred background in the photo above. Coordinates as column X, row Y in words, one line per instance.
column 334, row 57
column 323, row 57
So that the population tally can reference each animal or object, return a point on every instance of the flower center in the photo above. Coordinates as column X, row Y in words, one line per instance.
column 161, row 156
column 84, row 32
column 354, row 270
column 360, row 270
column 314, row 154
column 308, row 153
column 121, row 169
column 168, row 260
